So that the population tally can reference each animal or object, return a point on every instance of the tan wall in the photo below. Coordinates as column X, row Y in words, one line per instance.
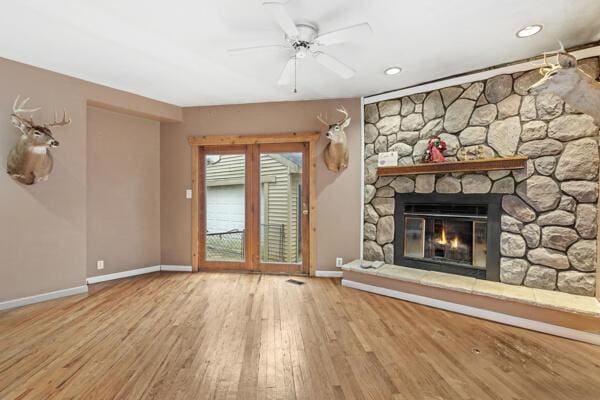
column 123, row 192
column 44, row 236
column 338, row 196
column 43, row 227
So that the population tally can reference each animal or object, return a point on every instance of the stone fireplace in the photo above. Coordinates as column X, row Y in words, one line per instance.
column 451, row 233
column 547, row 212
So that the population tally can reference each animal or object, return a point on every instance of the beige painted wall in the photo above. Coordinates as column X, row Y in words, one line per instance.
column 43, row 227
column 44, row 242
column 123, row 192
column 338, row 196
column 42, row 239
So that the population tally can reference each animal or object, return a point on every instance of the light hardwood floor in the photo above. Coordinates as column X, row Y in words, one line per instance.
column 219, row 335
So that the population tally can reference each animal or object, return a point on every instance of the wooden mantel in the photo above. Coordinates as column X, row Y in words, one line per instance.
column 488, row 164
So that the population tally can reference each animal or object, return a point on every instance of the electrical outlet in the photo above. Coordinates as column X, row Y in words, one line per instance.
column 188, row 193
column 100, row 264
column 339, row 261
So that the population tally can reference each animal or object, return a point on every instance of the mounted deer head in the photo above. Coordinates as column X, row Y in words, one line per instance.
column 567, row 81
column 30, row 161
column 336, row 152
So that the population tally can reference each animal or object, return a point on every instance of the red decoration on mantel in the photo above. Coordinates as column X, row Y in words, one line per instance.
column 435, row 147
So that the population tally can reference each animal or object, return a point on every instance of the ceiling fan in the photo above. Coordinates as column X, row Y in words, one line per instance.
column 306, row 42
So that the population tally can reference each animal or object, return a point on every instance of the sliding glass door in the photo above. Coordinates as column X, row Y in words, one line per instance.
column 253, row 207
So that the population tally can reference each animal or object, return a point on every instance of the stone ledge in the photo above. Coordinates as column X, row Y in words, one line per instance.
column 521, row 294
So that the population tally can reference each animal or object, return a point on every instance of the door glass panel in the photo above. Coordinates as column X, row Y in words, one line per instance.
column 414, row 237
column 225, row 207
column 281, row 208
column 479, row 244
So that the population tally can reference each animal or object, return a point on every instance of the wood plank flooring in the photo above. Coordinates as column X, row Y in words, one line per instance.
column 242, row 336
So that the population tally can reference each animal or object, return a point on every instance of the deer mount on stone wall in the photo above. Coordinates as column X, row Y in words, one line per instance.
column 30, row 161
column 571, row 84
column 336, row 152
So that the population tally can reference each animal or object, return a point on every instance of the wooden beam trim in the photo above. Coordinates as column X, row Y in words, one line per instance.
column 220, row 140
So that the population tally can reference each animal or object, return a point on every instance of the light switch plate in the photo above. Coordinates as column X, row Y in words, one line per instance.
column 188, row 193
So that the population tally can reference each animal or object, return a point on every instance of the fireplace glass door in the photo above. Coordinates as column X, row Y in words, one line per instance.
column 446, row 234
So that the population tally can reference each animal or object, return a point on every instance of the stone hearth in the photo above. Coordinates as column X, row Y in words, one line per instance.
column 549, row 213
column 584, row 305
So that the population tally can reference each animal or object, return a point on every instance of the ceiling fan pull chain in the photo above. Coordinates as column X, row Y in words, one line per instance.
column 295, row 74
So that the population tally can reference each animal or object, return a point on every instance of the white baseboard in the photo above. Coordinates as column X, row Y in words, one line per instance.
column 480, row 313
column 328, row 274
column 123, row 274
column 176, row 268
column 138, row 271
column 91, row 280
column 5, row 305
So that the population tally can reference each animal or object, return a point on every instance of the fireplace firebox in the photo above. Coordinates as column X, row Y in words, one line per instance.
column 454, row 233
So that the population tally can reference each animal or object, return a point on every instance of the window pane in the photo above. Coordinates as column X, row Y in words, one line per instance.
column 281, row 207
column 225, row 207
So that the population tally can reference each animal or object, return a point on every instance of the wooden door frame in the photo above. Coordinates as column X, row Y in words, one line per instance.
column 200, row 143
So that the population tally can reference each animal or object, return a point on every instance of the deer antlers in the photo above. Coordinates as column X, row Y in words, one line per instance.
column 546, row 66
column 22, row 122
column 323, row 121
column 342, row 110
column 64, row 121
column 19, row 120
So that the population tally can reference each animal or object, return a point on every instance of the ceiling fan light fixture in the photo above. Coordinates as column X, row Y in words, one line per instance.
column 392, row 71
column 301, row 52
column 529, row 30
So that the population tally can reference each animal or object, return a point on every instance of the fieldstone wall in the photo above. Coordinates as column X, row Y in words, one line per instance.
column 549, row 215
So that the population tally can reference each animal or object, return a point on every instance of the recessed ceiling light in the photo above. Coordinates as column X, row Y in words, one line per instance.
column 393, row 70
column 529, row 30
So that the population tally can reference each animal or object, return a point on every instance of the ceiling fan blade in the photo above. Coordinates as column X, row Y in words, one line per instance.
column 348, row 34
column 283, row 19
column 267, row 47
column 288, row 71
column 334, row 65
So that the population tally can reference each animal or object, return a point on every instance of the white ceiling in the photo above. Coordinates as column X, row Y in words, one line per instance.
column 174, row 50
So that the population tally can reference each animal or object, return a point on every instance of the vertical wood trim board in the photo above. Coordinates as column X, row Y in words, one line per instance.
column 195, row 206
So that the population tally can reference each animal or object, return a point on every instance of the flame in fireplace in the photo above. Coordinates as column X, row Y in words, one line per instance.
column 444, row 241
column 443, row 238
column 454, row 243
